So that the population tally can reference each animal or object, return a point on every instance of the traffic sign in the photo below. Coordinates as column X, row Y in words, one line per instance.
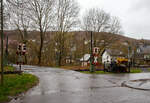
column 96, row 51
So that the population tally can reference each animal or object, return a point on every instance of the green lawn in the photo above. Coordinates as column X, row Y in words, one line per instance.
column 8, row 68
column 96, row 72
column 133, row 70
column 16, row 84
column 148, row 69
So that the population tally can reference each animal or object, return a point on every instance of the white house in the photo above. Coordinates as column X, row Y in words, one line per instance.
column 85, row 60
column 109, row 55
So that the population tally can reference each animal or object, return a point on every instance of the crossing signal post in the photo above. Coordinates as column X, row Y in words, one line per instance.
column 94, row 55
column 19, row 47
column 96, row 51
column 21, row 51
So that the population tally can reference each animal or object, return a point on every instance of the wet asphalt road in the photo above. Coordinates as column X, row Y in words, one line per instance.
column 65, row 86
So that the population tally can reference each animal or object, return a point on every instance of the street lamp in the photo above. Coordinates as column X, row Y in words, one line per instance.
column 2, row 37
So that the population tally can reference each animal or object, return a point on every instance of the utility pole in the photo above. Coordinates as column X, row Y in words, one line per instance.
column 2, row 37
column 6, row 51
column 91, row 56
column 5, row 60
column 83, row 51
column 129, row 59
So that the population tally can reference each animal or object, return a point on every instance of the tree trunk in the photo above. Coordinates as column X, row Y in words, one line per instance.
column 59, row 59
column 41, row 47
column 26, row 60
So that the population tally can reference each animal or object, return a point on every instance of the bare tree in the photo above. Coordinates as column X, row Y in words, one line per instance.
column 41, row 14
column 96, row 20
column 66, row 19
column 19, row 17
column 115, row 26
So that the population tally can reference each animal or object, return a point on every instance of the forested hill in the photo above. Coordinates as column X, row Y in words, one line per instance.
column 78, row 35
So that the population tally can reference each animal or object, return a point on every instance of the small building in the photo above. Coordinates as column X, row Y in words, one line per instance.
column 109, row 55
column 143, row 54
column 85, row 60
column 69, row 60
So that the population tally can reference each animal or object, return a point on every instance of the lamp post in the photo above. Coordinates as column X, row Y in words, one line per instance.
column 2, row 37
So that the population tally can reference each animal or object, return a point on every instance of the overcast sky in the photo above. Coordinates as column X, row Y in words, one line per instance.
column 134, row 14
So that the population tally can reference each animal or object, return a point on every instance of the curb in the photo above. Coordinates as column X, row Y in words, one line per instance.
column 125, row 84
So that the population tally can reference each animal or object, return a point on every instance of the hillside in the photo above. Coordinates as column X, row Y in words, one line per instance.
column 74, row 40
column 78, row 36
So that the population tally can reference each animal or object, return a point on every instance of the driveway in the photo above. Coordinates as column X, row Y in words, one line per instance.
column 66, row 86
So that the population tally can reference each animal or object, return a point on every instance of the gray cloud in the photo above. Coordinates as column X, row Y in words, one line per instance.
column 138, row 22
column 134, row 14
column 141, row 5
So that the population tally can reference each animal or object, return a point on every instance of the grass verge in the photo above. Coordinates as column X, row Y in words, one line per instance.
column 148, row 69
column 16, row 84
column 133, row 70
column 96, row 72
column 8, row 68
